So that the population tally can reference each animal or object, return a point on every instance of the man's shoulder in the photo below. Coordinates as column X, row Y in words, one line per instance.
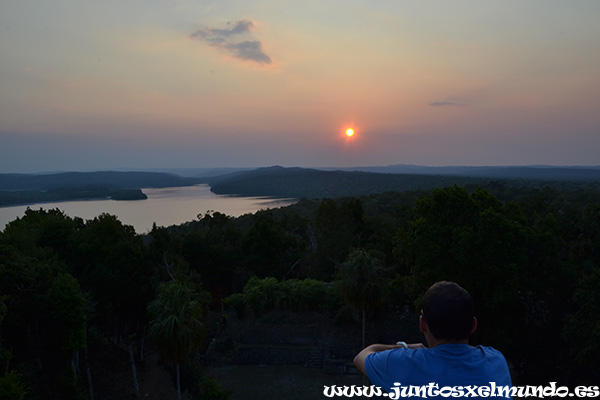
column 439, row 354
column 489, row 351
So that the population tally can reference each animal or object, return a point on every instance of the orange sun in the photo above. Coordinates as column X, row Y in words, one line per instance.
column 349, row 132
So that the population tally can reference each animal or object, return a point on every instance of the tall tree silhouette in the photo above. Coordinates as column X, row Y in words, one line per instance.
column 176, row 327
column 68, row 314
column 361, row 281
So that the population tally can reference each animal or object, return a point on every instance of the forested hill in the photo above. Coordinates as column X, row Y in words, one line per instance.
column 311, row 183
column 29, row 188
column 124, row 180
column 535, row 172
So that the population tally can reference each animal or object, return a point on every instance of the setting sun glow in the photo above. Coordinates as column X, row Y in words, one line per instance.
column 349, row 131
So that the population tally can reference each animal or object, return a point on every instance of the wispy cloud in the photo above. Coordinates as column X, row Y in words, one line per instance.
column 451, row 102
column 465, row 99
column 244, row 48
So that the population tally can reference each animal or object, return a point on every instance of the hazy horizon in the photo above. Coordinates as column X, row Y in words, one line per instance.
column 181, row 84
column 178, row 170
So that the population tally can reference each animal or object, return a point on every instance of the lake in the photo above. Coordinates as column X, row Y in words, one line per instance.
column 165, row 206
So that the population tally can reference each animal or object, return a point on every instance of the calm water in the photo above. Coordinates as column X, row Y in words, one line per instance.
column 167, row 206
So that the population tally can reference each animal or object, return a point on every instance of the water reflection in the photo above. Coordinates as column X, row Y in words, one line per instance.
column 165, row 206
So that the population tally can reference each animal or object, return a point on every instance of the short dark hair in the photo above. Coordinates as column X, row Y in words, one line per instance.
column 448, row 311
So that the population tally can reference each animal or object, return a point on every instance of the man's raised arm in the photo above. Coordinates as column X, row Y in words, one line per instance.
column 359, row 360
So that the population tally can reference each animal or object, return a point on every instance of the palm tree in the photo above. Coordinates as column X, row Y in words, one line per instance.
column 176, row 328
column 361, row 281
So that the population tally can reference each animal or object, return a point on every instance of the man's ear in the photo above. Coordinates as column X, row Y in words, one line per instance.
column 474, row 325
column 422, row 324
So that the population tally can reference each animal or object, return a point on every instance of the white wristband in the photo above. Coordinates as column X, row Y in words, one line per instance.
column 403, row 344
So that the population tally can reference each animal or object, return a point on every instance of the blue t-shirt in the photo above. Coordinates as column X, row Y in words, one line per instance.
column 447, row 365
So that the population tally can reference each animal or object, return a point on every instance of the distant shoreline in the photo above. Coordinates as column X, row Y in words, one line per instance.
column 59, row 195
column 281, row 182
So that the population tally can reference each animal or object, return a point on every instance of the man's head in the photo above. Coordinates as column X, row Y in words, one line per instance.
column 448, row 312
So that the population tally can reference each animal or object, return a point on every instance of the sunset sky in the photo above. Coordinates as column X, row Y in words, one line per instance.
column 180, row 83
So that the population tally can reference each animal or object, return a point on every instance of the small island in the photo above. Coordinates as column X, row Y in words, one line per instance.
column 129, row 194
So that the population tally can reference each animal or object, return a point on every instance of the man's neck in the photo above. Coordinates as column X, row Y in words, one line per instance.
column 433, row 342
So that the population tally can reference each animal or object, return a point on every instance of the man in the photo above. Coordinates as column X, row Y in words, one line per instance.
column 447, row 320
